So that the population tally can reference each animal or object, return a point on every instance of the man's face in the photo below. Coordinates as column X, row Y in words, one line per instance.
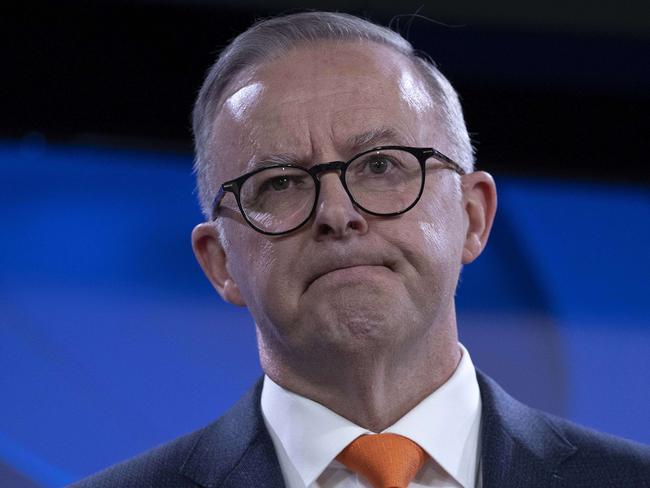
column 345, row 282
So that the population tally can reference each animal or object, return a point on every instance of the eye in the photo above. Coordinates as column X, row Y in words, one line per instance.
column 378, row 165
column 279, row 183
column 274, row 187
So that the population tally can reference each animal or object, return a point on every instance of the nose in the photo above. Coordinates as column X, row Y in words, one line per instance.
column 335, row 216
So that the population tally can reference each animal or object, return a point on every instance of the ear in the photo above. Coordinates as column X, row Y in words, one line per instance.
column 210, row 254
column 480, row 202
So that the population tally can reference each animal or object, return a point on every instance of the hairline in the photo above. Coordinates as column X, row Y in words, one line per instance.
column 218, row 86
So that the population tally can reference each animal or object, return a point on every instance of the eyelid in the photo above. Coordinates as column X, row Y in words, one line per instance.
column 275, row 159
column 372, row 154
column 290, row 175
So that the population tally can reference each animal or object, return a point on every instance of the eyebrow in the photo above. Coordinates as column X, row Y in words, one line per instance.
column 270, row 159
column 374, row 137
column 356, row 143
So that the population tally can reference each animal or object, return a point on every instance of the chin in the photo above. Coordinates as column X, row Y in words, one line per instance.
column 363, row 327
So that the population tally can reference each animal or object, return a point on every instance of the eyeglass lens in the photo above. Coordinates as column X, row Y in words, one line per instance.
column 383, row 182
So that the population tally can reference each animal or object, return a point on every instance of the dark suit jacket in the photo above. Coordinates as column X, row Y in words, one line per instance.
column 521, row 447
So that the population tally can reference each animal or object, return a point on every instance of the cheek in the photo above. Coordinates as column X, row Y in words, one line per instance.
column 439, row 227
column 250, row 260
column 441, row 212
column 437, row 250
column 431, row 235
column 262, row 271
column 441, row 235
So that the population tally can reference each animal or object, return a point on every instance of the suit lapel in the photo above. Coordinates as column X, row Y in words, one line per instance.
column 236, row 450
column 519, row 446
column 258, row 467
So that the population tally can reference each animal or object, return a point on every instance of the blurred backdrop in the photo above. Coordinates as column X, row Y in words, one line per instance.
column 107, row 326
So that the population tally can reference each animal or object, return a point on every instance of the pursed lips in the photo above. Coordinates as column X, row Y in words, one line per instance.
column 329, row 270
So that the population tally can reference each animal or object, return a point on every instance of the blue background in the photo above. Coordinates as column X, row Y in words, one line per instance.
column 112, row 341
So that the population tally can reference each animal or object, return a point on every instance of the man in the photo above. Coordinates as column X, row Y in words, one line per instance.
column 336, row 176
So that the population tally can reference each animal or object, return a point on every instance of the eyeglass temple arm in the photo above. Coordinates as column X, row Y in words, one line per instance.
column 217, row 199
column 451, row 164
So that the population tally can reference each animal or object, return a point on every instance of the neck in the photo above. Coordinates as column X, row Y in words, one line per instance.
column 372, row 390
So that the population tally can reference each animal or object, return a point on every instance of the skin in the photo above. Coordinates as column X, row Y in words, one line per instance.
column 353, row 311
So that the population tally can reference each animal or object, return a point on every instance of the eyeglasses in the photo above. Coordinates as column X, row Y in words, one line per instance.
column 385, row 181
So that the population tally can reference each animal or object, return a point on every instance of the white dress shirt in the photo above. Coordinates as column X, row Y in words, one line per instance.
column 308, row 436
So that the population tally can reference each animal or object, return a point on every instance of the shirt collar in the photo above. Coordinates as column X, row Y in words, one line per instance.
column 445, row 424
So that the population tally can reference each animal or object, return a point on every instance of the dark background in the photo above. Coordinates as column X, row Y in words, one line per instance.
column 551, row 88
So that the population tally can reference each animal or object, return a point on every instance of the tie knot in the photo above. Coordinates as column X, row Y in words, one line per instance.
column 386, row 460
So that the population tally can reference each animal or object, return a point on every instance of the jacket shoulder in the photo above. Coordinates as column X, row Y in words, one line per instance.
column 523, row 446
column 599, row 456
column 158, row 467
column 206, row 457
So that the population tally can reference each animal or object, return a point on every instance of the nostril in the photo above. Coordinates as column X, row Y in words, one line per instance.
column 325, row 230
column 355, row 225
column 339, row 223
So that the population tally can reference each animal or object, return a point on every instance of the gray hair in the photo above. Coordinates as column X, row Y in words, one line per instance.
column 270, row 38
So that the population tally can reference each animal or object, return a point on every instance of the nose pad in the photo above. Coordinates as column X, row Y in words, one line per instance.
column 335, row 214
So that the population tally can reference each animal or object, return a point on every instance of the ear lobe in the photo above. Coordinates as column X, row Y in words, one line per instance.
column 472, row 249
column 210, row 254
column 480, row 199
column 231, row 293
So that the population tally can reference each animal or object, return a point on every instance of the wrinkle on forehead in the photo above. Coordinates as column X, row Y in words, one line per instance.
column 337, row 95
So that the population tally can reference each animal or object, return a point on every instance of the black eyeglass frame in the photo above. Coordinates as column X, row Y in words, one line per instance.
column 421, row 153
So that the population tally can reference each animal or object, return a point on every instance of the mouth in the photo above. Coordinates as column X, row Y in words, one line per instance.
column 350, row 271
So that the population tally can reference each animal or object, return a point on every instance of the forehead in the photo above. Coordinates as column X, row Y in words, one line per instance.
column 322, row 99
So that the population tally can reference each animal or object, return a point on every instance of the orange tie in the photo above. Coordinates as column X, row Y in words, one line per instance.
column 386, row 460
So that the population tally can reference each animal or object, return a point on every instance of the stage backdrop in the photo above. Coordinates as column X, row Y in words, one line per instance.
column 112, row 341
